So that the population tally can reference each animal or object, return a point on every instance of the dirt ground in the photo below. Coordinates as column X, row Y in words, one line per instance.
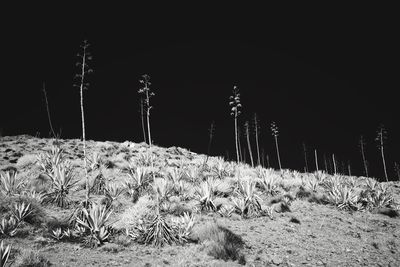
column 309, row 235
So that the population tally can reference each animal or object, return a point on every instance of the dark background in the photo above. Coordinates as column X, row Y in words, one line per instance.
column 324, row 73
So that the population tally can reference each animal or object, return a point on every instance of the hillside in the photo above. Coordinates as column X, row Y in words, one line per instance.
column 212, row 213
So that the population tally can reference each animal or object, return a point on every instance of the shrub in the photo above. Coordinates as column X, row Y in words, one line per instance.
column 221, row 243
column 134, row 213
column 29, row 258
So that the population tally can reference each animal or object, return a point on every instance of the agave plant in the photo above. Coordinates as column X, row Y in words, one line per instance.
column 57, row 234
column 380, row 199
column 8, row 227
column 193, row 174
column 96, row 222
column 175, row 175
column 32, row 194
column 50, row 160
column 68, row 233
column 146, row 159
column 226, row 211
column 99, row 184
column 320, row 176
column 10, row 183
column 139, row 177
column 113, row 191
column 183, row 226
column 332, row 182
column 312, row 185
column 240, row 206
column 376, row 196
column 21, row 211
column 206, row 194
column 219, row 168
column 247, row 194
column 269, row 210
column 163, row 188
column 160, row 233
column 267, row 182
column 95, row 163
column 344, row 198
column 4, row 254
column 62, row 181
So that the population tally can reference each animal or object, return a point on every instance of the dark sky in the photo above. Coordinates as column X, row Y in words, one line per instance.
column 325, row 74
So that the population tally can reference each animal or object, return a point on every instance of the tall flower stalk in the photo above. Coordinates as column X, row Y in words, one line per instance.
column 380, row 138
column 148, row 93
column 234, row 103
column 84, row 58
column 275, row 133
column 362, row 150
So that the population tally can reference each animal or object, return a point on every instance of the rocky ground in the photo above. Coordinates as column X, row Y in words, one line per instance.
column 309, row 234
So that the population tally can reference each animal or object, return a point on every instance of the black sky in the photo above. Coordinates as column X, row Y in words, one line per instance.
column 325, row 74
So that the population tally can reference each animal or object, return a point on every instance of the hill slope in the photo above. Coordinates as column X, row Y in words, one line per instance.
column 296, row 224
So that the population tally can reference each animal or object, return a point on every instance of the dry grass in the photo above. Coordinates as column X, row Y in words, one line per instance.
column 220, row 242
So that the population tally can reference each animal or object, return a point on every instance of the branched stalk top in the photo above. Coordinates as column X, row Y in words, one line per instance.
column 381, row 136
column 84, row 57
column 145, row 90
column 274, row 129
column 234, row 102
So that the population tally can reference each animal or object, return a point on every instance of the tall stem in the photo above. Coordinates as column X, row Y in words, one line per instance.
column 239, row 145
column 316, row 159
column 83, row 123
column 142, row 119
column 249, row 146
column 256, row 132
column 349, row 168
column 363, row 157
column 236, row 138
column 305, row 156
column 148, row 116
column 334, row 163
column 48, row 110
column 383, row 157
column 277, row 152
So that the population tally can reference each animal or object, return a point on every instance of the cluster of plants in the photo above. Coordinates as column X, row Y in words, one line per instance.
column 246, row 191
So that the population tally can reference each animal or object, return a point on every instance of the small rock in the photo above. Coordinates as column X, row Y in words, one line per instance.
column 275, row 260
